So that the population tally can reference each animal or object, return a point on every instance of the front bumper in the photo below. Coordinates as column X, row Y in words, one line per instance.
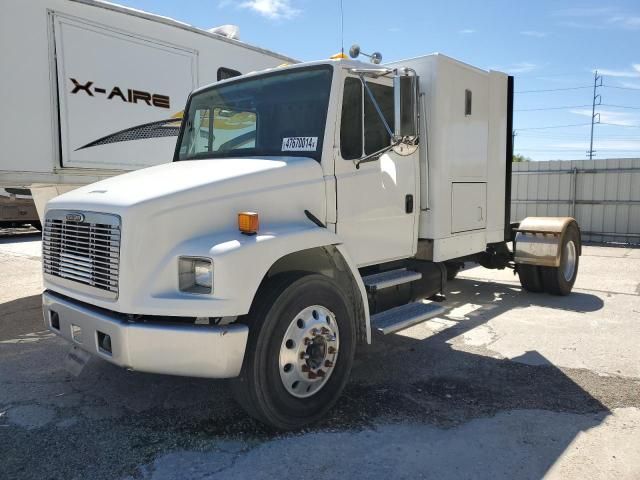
column 188, row 350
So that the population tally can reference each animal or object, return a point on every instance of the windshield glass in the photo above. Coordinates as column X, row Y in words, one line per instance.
column 283, row 113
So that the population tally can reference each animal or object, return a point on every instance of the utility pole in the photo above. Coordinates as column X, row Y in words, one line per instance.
column 597, row 100
column 513, row 140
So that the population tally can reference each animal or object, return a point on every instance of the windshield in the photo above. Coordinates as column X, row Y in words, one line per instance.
column 283, row 113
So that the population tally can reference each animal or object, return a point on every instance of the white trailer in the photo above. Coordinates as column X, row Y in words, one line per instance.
column 95, row 89
column 307, row 208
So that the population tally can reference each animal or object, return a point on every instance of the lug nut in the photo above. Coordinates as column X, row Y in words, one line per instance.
column 304, row 356
column 332, row 350
column 321, row 373
column 305, row 368
column 328, row 363
column 325, row 330
column 314, row 331
column 307, row 340
column 312, row 376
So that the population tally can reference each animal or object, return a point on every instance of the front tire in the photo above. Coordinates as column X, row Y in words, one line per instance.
column 301, row 345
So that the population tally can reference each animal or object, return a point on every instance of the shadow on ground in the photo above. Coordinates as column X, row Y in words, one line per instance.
column 110, row 421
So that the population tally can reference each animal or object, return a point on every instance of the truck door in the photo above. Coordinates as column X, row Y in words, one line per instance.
column 376, row 203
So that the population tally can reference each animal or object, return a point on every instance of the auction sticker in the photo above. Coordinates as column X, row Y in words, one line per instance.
column 299, row 144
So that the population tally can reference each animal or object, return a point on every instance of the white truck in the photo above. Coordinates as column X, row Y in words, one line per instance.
column 96, row 89
column 307, row 208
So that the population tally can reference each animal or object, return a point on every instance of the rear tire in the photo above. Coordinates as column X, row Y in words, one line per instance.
column 452, row 269
column 282, row 393
column 530, row 278
column 560, row 280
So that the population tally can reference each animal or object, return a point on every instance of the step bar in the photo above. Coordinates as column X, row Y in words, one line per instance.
column 390, row 278
column 404, row 316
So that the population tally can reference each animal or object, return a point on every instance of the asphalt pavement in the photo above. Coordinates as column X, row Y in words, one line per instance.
column 504, row 385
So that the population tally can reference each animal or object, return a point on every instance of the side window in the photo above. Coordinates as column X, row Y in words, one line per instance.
column 376, row 136
column 224, row 73
column 351, row 123
column 198, row 128
column 467, row 102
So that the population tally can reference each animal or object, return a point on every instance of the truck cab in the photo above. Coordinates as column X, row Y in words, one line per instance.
column 308, row 207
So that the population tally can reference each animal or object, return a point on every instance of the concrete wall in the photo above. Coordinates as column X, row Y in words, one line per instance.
column 603, row 195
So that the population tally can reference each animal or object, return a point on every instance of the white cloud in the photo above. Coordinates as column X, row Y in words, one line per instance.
column 634, row 72
column 584, row 12
column 598, row 18
column 609, row 116
column 534, row 33
column 467, row 31
column 625, row 21
column 619, row 73
column 519, row 67
column 273, row 9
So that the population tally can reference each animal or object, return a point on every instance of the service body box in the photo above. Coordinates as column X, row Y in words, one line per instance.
column 463, row 113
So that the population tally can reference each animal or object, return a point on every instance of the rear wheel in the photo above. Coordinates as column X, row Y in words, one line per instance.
column 530, row 278
column 300, row 351
column 452, row 269
column 559, row 280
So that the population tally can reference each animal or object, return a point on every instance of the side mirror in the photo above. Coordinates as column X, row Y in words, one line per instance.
column 405, row 96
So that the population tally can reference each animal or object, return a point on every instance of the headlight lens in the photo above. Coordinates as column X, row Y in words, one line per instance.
column 195, row 274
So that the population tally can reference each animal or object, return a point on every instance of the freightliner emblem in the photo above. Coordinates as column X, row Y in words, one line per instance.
column 75, row 217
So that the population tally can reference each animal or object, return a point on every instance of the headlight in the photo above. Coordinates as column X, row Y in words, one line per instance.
column 195, row 274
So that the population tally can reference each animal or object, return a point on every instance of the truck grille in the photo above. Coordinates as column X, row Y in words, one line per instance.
column 84, row 248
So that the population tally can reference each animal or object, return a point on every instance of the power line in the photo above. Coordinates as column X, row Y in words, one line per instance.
column 622, row 88
column 555, row 89
column 567, row 107
column 619, row 125
column 555, row 126
column 620, row 106
column 551, row 108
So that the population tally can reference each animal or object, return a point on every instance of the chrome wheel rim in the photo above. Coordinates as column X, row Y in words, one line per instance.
column 570, row 258
column 309, row 351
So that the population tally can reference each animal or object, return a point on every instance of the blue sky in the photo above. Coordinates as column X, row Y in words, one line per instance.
column 546, row 44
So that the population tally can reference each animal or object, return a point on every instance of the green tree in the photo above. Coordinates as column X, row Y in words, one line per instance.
column 520, row 158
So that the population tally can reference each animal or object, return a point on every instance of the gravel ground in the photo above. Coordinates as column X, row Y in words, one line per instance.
column 504, row 385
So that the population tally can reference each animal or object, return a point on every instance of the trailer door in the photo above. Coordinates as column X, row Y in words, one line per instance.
column 119, row 95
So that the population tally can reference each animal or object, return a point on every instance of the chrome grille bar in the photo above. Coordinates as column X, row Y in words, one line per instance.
column 83, row 247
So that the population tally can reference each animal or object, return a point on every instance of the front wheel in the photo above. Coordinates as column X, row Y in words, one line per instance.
column 300, row 351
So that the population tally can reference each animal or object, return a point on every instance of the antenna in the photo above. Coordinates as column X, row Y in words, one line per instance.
column 341, row 28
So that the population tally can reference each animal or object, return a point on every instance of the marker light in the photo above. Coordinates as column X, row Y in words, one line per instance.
column 338, row 56
column 248, row 223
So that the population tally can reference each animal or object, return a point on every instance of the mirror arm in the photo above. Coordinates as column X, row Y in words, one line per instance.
column 376, row 106
column 372, row 157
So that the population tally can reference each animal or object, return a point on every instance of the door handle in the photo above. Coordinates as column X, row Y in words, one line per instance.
column 408, row 204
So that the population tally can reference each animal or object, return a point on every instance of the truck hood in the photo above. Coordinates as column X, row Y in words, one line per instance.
column 185, row 209
column 200, row 180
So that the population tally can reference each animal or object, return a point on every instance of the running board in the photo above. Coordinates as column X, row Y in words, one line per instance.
column 404, row 316
column 390, row 278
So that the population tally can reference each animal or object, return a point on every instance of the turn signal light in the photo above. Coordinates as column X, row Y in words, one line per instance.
column 248, row 223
